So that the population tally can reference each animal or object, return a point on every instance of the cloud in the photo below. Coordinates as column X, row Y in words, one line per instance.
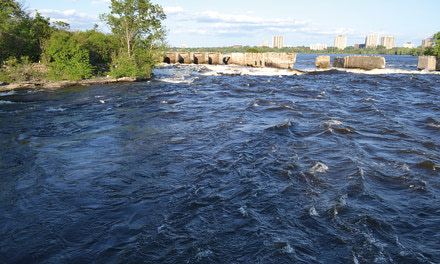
column 169, row 10
column 77, row 20
column 215, row 23
column 100, row 2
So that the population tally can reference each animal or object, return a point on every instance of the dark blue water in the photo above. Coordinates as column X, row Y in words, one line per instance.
column 333, row 167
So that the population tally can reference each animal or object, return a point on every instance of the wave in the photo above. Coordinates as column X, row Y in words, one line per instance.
column 387, row 71
column 7, row 93
column 220, row 70
column 2, row 102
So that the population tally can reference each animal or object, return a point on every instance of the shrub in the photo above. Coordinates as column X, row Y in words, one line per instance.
column 67, row 58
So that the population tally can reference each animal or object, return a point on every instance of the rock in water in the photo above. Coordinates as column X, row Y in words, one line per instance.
column 318, row 168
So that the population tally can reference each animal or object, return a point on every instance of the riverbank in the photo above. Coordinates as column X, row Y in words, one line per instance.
column 63, row 84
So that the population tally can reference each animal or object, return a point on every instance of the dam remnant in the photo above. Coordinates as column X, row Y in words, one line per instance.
column 360, row 62
column 259, row 60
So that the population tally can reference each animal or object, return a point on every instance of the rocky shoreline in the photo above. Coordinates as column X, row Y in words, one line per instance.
column 62, row 84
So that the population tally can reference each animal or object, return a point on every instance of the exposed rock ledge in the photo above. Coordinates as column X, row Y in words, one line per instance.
column 62, row 84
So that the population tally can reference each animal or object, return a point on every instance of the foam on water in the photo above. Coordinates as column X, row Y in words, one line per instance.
column 7, row 93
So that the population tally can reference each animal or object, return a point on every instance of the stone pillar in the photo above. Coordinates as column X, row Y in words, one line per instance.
column 238, row 59
column 364, row 62
column 338, row 62
column 199, row 58
column 215, row 58
column 280, row 60
column 255, row 59
column 322, row 62
column 429, row 63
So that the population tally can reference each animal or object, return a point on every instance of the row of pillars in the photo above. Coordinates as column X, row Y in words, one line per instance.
column 273, row 60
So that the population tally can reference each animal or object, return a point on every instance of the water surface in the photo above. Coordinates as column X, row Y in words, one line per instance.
column 199, row 166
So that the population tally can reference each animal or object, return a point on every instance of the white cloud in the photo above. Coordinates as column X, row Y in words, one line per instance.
column 100, row 2
column 173, row 10
column 77, row 20
column 220, row 23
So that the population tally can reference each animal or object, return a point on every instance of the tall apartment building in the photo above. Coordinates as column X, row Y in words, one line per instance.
column 372, row 41
column 428, row 42
column 318, row 46
column 278, row 42
column 408, row 45
column 340, row 42
column 387, row 42
column 265, row 43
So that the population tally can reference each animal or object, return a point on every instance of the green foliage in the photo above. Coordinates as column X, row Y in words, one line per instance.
column 67, row 58
column 434, row 51
column 125, row 66
column 20, row 34
column 101, row 47
column 254, row 50
column 20, row 70
column 138, row 26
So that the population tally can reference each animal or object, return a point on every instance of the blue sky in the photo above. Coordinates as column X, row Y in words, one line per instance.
column 204, row 23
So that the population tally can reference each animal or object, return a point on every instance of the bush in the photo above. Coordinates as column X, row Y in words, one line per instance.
column 67, row 59
column 131, row 66
column 21, row 70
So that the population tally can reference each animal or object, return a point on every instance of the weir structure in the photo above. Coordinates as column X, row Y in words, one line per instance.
column 260, row 60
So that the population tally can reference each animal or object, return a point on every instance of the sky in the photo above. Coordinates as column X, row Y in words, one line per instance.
column 205, row 23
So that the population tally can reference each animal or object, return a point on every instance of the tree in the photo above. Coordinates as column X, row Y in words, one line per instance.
column 436, row 48
column 138, row 25
column 20, row 34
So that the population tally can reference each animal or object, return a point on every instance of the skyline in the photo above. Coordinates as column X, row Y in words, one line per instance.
column 213, row 23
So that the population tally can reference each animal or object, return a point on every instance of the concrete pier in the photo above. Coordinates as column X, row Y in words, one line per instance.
column 360, row 62
column 322, row 62
column 273, row 60
column 338, row 62
column 430, row 63
column 364, row 62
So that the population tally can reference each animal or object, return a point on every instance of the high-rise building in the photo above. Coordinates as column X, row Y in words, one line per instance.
column 408, row 45
column 340, row 42
column 372, row 41
column 429, row 42
column 387, row 42
column 318, row 46
column 265, row 43
column 278, row 42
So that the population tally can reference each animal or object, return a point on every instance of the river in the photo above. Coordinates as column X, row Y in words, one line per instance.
column 224, row 164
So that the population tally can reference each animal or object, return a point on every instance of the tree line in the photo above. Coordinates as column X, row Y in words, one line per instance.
column 380, row 50
column 132, row 49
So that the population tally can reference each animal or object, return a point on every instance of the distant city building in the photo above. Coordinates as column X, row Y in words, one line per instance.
column 340, row 42
column 427, row 42
column 265, row 43
column 409, row 45
column 184, row 46
column 278, row 42
column 318, row 47
column 387, row 42
column 237, row 46
column 359, row 46
column 372, row 41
